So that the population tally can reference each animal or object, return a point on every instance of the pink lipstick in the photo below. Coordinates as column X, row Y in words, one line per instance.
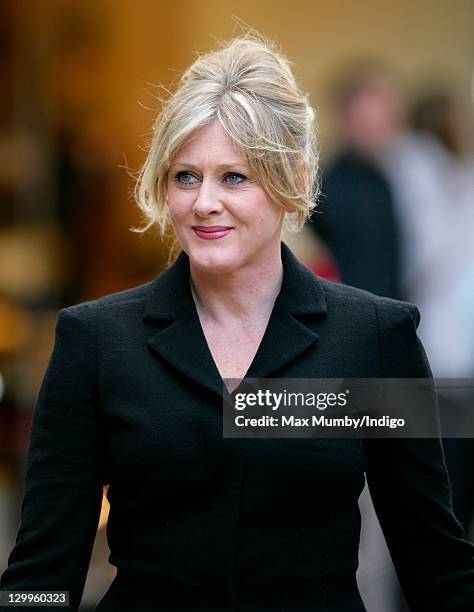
column 211, row 232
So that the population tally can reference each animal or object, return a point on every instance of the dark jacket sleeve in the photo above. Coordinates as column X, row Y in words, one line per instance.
column 409, row 485
column 63, row 486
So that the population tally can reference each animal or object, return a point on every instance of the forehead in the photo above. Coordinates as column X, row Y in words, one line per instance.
column 210, row 144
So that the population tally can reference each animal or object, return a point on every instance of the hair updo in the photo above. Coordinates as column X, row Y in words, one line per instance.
column 248, row 85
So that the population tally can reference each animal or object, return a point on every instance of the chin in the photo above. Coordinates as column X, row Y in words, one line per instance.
column 214, row 260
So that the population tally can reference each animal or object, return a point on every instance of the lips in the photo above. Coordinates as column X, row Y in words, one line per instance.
column 212, row 232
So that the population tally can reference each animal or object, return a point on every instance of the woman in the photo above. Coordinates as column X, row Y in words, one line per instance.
column 133, row 392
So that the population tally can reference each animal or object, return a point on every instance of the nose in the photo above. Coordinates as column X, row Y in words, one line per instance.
column 208, row 199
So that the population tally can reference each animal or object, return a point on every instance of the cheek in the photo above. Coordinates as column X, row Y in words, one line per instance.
column 260, row 211
column 265, row 222
column 177, row 202
column 268, row 217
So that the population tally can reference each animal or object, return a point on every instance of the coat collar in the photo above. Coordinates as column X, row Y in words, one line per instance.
column 181, row 341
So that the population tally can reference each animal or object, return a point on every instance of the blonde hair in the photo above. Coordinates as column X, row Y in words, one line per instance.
column 248, row 85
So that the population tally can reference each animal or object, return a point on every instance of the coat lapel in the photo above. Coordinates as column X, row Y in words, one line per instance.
column 180, row 340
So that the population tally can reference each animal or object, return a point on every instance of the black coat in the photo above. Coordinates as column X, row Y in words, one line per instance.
column 133, row 398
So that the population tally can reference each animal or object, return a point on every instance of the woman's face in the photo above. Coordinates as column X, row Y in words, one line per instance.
column 223, row 219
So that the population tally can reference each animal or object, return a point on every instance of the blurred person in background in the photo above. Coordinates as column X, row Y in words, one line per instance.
column 356, row 218
column 433, row 184
column 432, row 175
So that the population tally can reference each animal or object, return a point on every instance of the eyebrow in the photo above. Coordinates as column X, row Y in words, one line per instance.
column 222, row 166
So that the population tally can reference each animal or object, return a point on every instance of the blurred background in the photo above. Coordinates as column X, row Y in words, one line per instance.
column 393, row 85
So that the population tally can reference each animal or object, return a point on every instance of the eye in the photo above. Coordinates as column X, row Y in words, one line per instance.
column 186, row 178
column 233, row 178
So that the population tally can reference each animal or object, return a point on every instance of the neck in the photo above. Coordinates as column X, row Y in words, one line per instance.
column 245, row 294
